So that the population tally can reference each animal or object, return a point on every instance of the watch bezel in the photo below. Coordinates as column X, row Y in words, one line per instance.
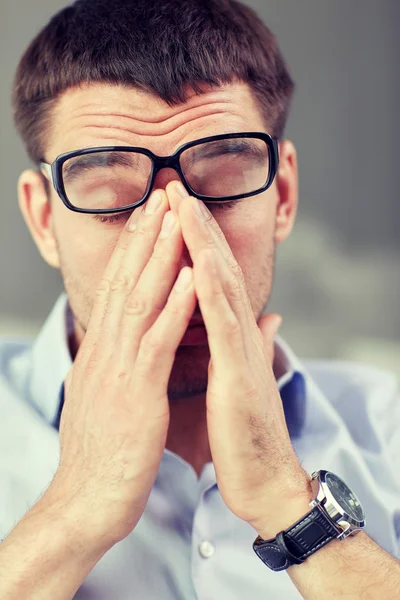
column 336, row 513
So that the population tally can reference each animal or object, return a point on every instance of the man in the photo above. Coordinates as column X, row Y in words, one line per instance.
column 156, row 427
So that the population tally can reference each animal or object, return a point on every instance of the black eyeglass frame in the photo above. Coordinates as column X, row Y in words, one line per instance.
column 53, row 171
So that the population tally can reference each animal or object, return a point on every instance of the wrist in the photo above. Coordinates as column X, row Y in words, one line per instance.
column 48, row 554
column 284, row 509
column 80, row 525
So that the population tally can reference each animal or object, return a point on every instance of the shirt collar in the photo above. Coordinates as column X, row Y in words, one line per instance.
column 292, row 385
column 51, row 361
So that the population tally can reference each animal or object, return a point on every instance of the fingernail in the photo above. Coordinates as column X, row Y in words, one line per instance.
column 131, row 225
column 184, row 280
column 152, row 203
column 181, row 190
column 168, row 224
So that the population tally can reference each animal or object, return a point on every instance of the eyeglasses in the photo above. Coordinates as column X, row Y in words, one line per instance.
column 114, row 179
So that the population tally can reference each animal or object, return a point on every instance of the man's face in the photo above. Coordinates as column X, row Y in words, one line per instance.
column 104, row 115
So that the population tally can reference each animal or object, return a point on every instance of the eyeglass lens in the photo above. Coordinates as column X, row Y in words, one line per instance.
column 108, row 180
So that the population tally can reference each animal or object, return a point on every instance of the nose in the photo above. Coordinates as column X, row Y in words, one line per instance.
column 163, row 178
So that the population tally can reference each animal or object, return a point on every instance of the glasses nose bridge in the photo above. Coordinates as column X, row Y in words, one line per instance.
column 167, row 162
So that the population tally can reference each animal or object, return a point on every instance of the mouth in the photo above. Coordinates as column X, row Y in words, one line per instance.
column 196, row 322
column 197, row 318
column 196, row 334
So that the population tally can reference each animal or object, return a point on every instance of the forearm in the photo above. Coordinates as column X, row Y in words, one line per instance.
column 47, row 555
column 355, row 568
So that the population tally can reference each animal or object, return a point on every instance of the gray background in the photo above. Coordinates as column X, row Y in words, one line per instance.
column 337, row 282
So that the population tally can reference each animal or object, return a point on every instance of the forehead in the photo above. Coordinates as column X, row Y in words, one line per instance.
column 103, row 114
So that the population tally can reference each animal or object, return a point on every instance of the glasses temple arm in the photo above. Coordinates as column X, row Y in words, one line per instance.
column 45, row 168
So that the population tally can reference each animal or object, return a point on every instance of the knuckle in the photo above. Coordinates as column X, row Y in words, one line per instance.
column 236, row 271
column 137, row 306
column 125, row 240
column 152, row 347
column 99, row 354
column 173, row 309
column 210, row 242
column 144, row 227
column 159, row 254
column 233, row 293
column 92, row 364
column 103, row 288
column 118, row 374
column 230, row 327
column 152, row 342
column 122, row 283
column 234, row 289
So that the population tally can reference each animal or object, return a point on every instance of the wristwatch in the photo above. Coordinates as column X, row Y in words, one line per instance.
column 335, row 513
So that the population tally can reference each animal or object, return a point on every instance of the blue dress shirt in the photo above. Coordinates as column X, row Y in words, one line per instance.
column 343, row 417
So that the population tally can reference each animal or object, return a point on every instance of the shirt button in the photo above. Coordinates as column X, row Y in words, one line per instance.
column 206, row 549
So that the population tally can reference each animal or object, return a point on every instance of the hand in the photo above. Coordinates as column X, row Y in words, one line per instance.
column 256, row 467
column 116, row 413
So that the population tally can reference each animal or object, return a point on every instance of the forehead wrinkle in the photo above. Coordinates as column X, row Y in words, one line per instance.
column 82, row 121
column 97, row 136
column 143, row 127
column 160, row 132
column 141, row 100
column 158, row 120
column 162, row 147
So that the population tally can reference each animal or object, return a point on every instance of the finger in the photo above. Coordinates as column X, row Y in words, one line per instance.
column 127, row 262
column 148, row 298
column 224, row 332
column 203, row 232
column 269, row 325
column 159, row 344
column 103, row 289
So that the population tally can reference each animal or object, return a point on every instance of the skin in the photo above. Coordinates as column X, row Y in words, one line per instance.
column 81, row 246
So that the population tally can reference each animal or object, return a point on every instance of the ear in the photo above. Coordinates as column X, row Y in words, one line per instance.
column 288, row 191
column 36, row 209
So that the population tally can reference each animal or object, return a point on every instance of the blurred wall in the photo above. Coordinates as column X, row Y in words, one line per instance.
column 337, row 281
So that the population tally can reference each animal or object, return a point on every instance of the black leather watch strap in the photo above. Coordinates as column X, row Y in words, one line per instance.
column 296, row 543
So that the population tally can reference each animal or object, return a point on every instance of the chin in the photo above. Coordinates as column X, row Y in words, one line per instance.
column 189, row 373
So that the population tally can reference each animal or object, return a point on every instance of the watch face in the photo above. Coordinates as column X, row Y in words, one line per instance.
column 343, row 495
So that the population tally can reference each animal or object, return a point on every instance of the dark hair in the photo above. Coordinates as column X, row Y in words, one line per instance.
column 157, row 45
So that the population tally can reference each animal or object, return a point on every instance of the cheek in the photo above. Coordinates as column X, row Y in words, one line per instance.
column 252, row 247
column 250, row 232
column 86, row 247
column 250, row 236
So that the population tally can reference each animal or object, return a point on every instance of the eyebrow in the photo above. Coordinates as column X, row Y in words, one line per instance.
column 211, row 150
column 75, row 165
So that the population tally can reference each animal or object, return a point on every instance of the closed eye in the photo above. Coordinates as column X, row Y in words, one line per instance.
column 124, row 216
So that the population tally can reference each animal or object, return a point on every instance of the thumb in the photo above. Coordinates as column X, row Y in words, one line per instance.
column 269, row 326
